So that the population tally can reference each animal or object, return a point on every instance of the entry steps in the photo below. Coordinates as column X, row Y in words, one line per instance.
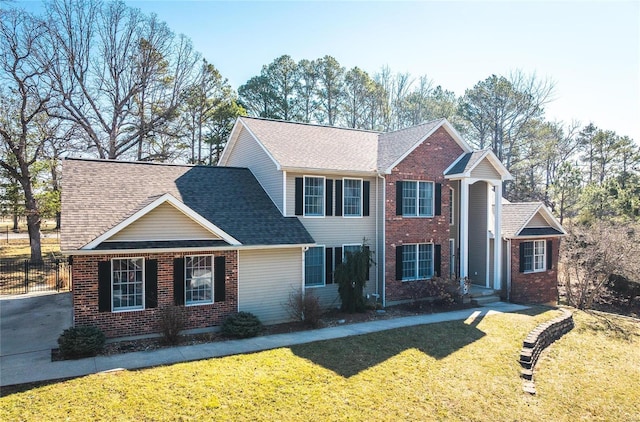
column 483, row 295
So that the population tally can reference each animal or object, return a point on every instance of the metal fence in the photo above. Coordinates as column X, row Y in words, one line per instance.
column 24, row 276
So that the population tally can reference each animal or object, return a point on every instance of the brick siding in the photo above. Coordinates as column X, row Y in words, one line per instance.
column 426, row 163
column 539, row 287
column 130, row 323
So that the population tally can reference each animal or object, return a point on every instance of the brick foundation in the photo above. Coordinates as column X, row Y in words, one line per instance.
column 426, row 163
column 538, row 287
column 130, row 323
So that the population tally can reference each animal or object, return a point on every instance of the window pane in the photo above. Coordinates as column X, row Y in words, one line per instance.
column 425, row 261
column 314, row 196
column 539, row 255
column 314, row 267
column 528, row 256
column 425, row 199
column 349, row 249
column 198, row 280
column 409, row 198
column 409, row 262
column 352, row 190
column 127, row 283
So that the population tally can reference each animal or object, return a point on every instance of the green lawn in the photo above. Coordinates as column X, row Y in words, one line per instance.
column 448, row 371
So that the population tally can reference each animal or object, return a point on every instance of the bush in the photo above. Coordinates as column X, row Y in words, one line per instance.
column 78, row 342
column 171, row 322
column 351, row 277
column 304, row 307
column 241, row 325
column 438, row 290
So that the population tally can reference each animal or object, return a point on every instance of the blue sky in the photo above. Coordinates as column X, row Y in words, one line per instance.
column 590, row 49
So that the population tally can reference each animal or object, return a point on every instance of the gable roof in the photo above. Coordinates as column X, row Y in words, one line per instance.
column 466, row 163
column 294, row 145
column 516, row 217
column 303, row 146
column 393, row 147
column 99, row 196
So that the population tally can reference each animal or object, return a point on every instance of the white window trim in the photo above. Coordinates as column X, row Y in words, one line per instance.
column 533, row 257
column 324, row 196
column 433, row 253
column 324, row 269
column 144, row 282
column 361, row 194
column 213, row 276
column 417, row 198
column 348, row 244
column 452, row 201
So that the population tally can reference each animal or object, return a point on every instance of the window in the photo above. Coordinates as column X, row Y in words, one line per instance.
column 314, row 196
column 352, row 191
column 127, row 284
column 417, row 261
column 451, row 197
column 417, row 199
column 314, row 267
column 198, row 280
column 534, row 256
column 350, row 249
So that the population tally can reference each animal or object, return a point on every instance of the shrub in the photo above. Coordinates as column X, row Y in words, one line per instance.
column 78, row 342
column 171, row 322
column 304, row 307
column 438, row 290
column 351, row 277
column 241, row 325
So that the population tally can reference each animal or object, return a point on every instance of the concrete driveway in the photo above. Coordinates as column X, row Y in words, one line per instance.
column 33, row 323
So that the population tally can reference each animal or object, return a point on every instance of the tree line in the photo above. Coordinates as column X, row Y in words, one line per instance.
column 102, row 79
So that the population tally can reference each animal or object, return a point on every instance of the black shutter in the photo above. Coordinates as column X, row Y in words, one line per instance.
column 549, row 254
column 329, row 197
column 437, row 260
column 151, row 283
column 338, row 198
column 438, row 199
column 366, row 187
column 328, row 262
column 338, row 259
column 399, row 263
column 104, row 286
column 522, row 256
column 399, row 187
column 366, row 249
column 219, row 275
column 178, row 281
column 299, row 196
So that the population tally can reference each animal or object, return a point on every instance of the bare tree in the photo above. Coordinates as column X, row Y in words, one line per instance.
column 24, row 102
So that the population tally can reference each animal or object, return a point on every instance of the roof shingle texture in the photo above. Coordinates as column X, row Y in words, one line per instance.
column 300, row 145
column 466, row 163
column 393, row 145
column 97, row 195
column 516, row 215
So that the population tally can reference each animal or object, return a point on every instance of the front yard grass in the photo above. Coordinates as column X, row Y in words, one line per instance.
column 461, row 370
column 18, row 249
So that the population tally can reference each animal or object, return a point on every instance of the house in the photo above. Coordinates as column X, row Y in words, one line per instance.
column 285, row 206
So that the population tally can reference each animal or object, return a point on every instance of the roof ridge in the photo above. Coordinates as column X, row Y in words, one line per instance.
column 152, row 163
column 415, row 126
column 311, row 124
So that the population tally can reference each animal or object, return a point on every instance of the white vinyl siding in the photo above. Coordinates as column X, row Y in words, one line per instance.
column 537, row 221
column 165, row 222
column 247, row 152
column 266, row 278
column 485, row 170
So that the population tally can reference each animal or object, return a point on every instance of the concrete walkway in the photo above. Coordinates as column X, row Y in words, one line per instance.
column 37, row 366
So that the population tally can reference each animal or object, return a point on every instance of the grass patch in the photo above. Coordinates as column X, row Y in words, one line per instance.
column 449, row 371
column 19, row 248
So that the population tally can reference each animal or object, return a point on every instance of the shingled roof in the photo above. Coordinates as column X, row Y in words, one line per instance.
column 515, row 217
column 99, row 194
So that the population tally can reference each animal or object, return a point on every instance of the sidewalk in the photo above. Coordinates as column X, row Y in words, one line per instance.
column 37, row 366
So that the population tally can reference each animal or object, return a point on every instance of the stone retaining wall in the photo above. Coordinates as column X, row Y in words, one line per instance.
column 539, row 339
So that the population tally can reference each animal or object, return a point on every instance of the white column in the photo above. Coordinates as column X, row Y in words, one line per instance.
column 464, row 232
column 497, row 242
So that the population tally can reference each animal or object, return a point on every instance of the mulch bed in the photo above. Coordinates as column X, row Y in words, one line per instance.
column 329, row 319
